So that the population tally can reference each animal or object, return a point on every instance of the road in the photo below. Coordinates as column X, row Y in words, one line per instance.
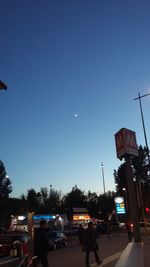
column 72, row 256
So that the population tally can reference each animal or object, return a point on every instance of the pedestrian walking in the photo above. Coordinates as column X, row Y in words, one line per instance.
column 81, row 236
column 108, row 229
column 41, row 244
column 129, row 230
column 91, row 244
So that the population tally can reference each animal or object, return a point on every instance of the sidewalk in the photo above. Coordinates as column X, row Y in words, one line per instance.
column 146, row 254
column 113, row 259
column 146, row 250
column 110, row 251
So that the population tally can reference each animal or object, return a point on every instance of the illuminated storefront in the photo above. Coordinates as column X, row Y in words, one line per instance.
column 21, row 222
column 78, row 218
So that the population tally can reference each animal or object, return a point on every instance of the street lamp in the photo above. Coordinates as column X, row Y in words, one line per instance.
column 146, row 143
column 103, row 177
column 3, row 85
column 50, row 188
column 125, row 198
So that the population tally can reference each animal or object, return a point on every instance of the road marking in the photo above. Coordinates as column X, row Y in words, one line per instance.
column 108, row 259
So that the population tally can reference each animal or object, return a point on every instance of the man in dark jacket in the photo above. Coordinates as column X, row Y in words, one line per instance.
column 91, row 243
column 81, row 234
column 41, row 243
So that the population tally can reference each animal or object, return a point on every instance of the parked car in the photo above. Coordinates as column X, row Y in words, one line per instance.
column 144, row 227
column 71, row 230
column 5, row 246
column 56, row 239
column 23, row 238
column 101, row 228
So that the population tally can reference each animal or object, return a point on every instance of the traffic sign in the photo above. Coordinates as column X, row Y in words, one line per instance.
column 126, row 144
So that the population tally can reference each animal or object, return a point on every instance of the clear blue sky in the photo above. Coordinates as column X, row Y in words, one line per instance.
column 65, row 57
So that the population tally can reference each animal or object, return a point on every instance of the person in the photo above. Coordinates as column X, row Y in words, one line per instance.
column 91, row 244
column 41, row 244
column 129, row 230
column 108, row 228
column 81, row 235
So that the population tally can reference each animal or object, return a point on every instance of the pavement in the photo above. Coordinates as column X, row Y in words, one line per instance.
column 112, row 260
column 109, row 249
column 146, row 250
column 116, row 248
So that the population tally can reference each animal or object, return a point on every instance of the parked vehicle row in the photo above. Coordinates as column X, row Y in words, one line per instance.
column 7, row 243
column 56, row 239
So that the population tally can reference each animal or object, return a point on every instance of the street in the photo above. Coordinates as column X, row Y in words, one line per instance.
column 73, row 256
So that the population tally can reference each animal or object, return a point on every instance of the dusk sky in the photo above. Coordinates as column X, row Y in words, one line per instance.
column 73, row 68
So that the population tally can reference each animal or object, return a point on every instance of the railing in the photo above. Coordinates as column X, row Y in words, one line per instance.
column 28, row 261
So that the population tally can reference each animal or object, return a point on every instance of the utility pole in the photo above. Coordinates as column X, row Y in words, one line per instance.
column 143, row 123
column 102, row 166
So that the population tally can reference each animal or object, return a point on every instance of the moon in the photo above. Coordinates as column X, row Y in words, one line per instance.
column 75, row 115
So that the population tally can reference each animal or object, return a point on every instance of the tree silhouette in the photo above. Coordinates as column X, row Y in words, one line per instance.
column 32, row 200
column 5, row 183
column 5, row 190
column 140, row 176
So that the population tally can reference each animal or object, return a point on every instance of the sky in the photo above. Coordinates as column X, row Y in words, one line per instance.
column 73, row 69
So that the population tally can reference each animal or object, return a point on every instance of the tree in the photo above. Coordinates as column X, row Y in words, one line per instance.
column 106, row 204
column 120, row 178
column 43, row 196
column 140, row 175
column 139, row 166
column 32, row 200
column 5, row 183
column 92, row 204
column 5, row 190
column 54, row 200
column 74, row 199
column 50, row 201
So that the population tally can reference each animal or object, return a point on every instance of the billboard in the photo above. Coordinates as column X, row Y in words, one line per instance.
column 125, row 140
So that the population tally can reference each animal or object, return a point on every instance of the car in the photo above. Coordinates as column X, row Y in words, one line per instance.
column 5, row 246
column 56, row 239
column 23, row 239
column 101, row 228
column 144, row 228
column 71, row 230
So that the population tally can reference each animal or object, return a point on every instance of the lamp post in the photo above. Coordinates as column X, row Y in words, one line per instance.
column 3, row 85
column 140, row 191
column 103, row 177
column 125, row 198
column 142, row 116
column 50, row 188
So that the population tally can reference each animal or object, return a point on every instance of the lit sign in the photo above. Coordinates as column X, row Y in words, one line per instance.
column 119, row 200
column 44, row 217
column 81, row 217
column 21, row 218
column 126, row 143
column 120, row 207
